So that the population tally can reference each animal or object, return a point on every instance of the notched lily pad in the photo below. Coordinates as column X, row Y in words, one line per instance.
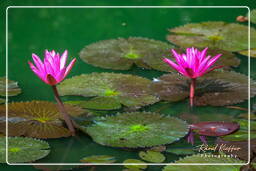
column 121, row 54
column 13, row 88
column 204, row 159
column 128, row 90
column 217, row 88
column 135, row 166
column 38, row 119
column 98, row 159
column 22, row 150
column 136, row 129
column 152, row 156
column 221, row 35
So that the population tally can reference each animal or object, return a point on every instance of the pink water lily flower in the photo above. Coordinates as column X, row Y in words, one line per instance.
column 193, row 64
column 53, row 69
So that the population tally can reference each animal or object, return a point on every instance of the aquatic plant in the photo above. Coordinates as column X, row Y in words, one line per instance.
column 193, row 64
column 52, row 71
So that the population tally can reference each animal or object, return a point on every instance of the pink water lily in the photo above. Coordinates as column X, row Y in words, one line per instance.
column 193, row 64
column 53, row 69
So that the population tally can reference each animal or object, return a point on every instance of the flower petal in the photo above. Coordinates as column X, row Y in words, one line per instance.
column 39, row 64
column 69, row 67
column 171, row 63
column 63, row 59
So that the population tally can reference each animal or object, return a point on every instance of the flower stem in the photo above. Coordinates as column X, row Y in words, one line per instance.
column 63, row 111
column 192, row 91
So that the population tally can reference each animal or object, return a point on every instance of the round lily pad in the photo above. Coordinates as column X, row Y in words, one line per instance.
column 38, row 119
column 221, row 35
column 121, row 53
column 129, row 90
column 136, row 129
column 152, row 156
column 22, row 150
column 252, row 52
column 13, row 88
column 204, row 159
column 135, row 166
column 98, row 159
column 217, row 88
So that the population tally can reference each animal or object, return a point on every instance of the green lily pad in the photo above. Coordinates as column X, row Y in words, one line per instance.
column 253, row 16
column 129, row 90
column 181, row 150
column 38, row 119
column 2, row 100
column 136, row 129
column 22, row 150
column 202, row 159
column 121, row 54
column 98, row 103
column 152, row 156
column 135, row 166
column 13, row 88
column 217, row 88
column 98, row 159
column 252, row 52
column 221, row 35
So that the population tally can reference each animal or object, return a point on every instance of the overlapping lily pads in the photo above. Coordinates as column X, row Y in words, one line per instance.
column 121, row 53
column 22, row 150
column 13, row 88
column 39, row 119
column 217, row 88
column 128, row 90
column 221, row 35
column 136, row 129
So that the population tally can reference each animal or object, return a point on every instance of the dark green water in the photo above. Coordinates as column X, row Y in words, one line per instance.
column 32, row 30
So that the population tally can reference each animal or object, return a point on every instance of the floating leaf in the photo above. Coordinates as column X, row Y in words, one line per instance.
column 135, row 166
column 98, row 159
column 221, row 35
column 38, row 119
column 152, row 156
column 98, row 103
column 252, row 52
column 2, row 100
column 160, row 148
column 22, row 150
column 181, row 150
column 217, row 88
column 13, row 88
column 136, row 129
column 204, row 159
column 129, row 90
column 253, row 16
column 121, row 54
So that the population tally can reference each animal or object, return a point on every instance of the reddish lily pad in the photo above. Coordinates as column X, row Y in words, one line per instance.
column 221, row 35
column 38, row 119
column 217, row 88
column 13, row 88
column 121, row 54
column 129, row 90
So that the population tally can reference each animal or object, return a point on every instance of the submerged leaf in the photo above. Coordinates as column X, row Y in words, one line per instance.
column 136, row 129
column 152, row 156
column 22, row 150
column 13, row 88
column 121, row 54
column 129, row 90
column 217, row 88
column 204, row 159
column 38, row 119
column 221, row 35
column 98, row 159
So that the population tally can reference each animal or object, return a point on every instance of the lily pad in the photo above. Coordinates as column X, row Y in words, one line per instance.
column 202, row 159
column 135, row 166
column 136, row 129
column 38, row 119
column 2, row 100
column 98, row 159
column 217, row 88
column 221, row 35
column 181, row 150
column 121, row 53
column 152, row 156
column 252, row 52
column 13, row 88
column 128, row 90
column 253, row 16
column 22, row 150
column 98, row 103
